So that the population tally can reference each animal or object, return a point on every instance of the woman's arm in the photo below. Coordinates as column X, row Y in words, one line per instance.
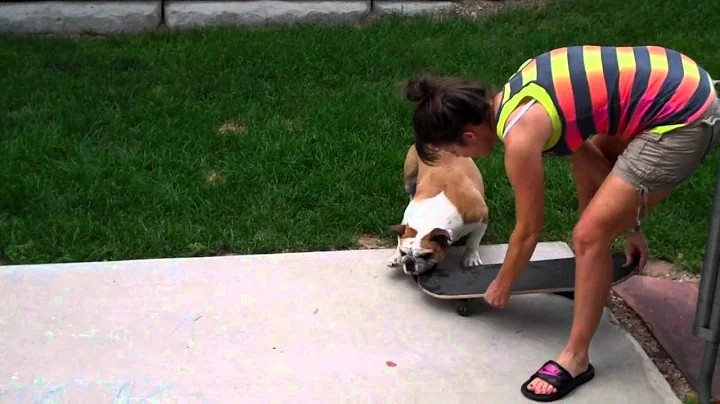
column 524, row 166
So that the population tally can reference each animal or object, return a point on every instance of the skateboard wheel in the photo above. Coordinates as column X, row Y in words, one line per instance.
column 462, row 307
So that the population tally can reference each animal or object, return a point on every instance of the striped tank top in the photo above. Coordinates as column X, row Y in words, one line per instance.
column 619, row 91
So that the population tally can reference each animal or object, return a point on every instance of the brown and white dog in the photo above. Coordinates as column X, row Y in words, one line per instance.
column 447, row 202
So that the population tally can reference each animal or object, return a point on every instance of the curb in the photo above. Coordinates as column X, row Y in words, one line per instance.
column 655, row 378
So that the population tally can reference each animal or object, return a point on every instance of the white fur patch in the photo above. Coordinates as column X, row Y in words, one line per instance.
column 426, row 215
column 436, row 212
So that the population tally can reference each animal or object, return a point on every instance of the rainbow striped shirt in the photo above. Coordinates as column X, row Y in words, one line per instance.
column 620, row 91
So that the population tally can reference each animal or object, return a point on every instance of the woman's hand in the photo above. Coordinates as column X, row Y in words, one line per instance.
column 497, row 294
column 635, row 243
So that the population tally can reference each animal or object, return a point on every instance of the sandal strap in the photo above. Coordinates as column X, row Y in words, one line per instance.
column 554, row 374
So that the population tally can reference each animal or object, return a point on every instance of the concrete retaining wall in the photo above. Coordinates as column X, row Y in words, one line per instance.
column 137, row 16
column 80, row 16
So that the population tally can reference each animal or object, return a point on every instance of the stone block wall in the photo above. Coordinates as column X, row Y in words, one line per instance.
column 80, row 16
column 108, row 17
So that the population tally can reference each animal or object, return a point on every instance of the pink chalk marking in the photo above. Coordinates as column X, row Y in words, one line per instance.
column 391, row 364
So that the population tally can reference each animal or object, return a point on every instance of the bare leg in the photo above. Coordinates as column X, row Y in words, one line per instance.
column 600, row 152
column 609, row 213
column 603, row 152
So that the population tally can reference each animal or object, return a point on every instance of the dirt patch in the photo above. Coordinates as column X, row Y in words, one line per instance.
column 292, row 124
column 666, row 270
column 481, row 8
column 70, row 35
column 214, row 177
column 232, row 127
column 473, row 9
column 370, row 242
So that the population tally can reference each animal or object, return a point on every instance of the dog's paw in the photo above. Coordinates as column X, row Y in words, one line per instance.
column 471, row 257
column 395, row 260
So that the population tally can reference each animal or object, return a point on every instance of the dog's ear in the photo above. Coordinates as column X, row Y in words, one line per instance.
column 440, row 236
column 397, row 229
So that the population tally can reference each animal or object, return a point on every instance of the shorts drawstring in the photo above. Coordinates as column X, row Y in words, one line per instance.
column 641, row 207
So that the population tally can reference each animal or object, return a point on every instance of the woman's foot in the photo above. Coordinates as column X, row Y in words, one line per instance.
column 558, row 378
column 573, row 364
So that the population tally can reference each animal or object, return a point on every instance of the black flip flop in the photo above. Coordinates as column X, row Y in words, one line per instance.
column 558, row 377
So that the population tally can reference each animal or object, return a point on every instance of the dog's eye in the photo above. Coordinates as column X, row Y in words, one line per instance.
column 425, row 256
column 403, row 253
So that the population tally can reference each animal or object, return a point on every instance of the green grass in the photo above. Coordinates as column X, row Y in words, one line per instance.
column 110, row 148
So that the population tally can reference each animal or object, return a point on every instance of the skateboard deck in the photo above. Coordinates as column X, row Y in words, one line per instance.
column 543, row 276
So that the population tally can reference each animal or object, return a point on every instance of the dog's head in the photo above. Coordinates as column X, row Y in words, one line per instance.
column 421, row 252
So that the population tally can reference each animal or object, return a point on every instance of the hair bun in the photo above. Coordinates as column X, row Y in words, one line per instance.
column 420, row 88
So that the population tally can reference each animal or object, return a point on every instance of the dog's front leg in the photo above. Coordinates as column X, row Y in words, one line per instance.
column 471, row 256
column 396, row 259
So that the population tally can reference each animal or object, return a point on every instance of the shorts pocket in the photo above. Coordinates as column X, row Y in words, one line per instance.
column 652, row 136
column 660, row 161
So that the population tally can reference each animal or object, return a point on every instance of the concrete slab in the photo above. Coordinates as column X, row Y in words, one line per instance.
column 308, row 327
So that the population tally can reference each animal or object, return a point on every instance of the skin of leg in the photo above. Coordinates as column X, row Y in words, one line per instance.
column 611, row 147
column 609, row 213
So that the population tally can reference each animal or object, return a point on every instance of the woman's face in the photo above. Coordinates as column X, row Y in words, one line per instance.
column 479, row 142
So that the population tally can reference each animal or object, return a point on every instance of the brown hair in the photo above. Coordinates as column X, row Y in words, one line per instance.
column 445, row 107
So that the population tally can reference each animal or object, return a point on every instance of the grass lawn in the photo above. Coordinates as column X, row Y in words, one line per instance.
column 282, row 139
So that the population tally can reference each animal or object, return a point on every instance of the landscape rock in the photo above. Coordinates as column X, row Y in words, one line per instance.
column 195, row 14
column 80, row 16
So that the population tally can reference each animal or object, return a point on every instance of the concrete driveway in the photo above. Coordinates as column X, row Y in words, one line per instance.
column 299, row 328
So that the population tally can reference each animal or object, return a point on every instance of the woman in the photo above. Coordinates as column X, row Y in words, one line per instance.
column 654, row 113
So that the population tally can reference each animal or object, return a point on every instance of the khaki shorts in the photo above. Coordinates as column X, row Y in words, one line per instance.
column 663, row 162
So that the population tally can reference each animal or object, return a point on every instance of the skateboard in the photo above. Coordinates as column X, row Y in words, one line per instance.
column 543, row 276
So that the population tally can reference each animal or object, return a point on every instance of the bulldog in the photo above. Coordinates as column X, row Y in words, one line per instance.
column 447, row 202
